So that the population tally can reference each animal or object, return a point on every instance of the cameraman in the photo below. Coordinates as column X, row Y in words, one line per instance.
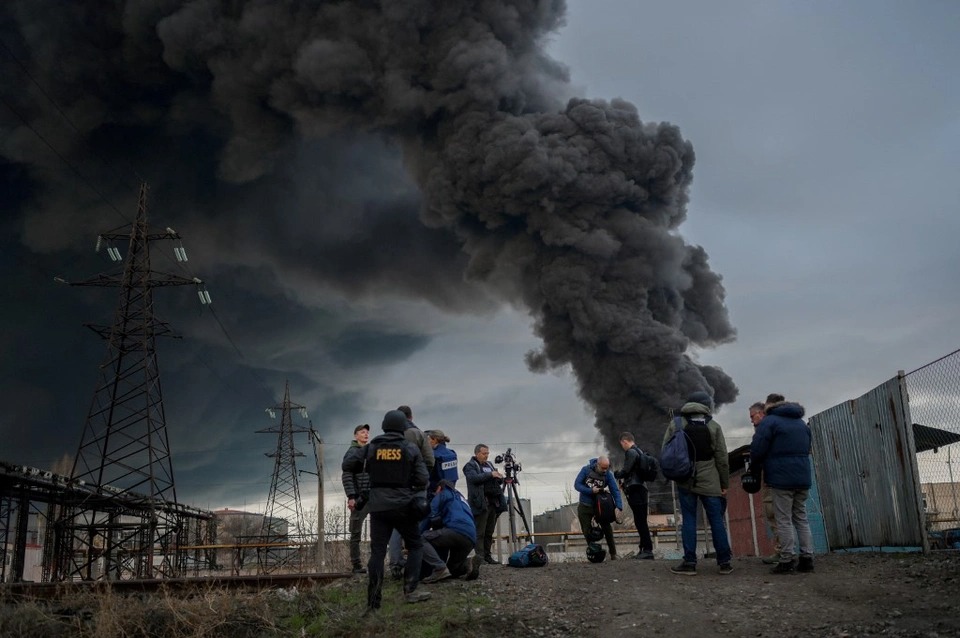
column 486, row 500
column 398, row 477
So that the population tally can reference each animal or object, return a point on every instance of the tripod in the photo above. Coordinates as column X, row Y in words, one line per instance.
column 514, row 506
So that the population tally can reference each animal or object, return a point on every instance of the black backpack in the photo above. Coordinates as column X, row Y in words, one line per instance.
column 604, row 507
column 647, row 468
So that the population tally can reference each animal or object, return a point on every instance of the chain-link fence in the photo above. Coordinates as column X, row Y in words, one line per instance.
column 934, row 392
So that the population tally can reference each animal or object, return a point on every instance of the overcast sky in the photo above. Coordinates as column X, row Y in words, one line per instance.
column 824, row 192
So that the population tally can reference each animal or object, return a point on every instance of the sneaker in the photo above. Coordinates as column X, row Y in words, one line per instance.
column 474, row 568
column 685, row 569
column 726, row 568
column 613, row 557
column 784, row 567
column 359, row 569
column 437, row 576
column 644, row 556
column 806, row 564
column 772, row 559
column 396, row 571
column 490, row 560
column 416, row 596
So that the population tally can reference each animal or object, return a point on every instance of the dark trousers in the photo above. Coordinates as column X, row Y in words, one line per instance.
column 637, row 500
column 446, row 542
column 382, row 525
column 585, row 515
column 356, row 531
column 486, row 522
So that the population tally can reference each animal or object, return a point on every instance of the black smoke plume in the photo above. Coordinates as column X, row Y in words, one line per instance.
column 332, row 126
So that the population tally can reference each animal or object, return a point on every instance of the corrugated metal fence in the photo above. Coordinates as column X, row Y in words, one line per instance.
column 866, row 465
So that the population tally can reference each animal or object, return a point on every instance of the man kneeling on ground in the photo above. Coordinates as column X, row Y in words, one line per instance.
column 454, row 533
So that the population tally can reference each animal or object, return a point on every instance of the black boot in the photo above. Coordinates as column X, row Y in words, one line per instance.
column 784, row 568
column 474, row 568
column 490, row 560
column 806, row 564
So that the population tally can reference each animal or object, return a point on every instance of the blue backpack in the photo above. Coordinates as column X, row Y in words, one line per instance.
column 532, row 555
column 678, row 458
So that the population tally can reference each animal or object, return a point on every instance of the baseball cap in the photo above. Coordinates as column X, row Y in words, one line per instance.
column 361, row 427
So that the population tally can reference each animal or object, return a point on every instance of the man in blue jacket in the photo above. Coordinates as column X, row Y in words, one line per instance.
column 595, row 477
column 781, row 446
column 454, row 532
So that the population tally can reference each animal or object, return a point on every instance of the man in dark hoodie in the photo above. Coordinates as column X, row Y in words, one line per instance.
column 781, row 446
column 398, row 479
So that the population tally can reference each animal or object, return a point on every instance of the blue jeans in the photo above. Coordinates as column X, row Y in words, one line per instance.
column 714, row 506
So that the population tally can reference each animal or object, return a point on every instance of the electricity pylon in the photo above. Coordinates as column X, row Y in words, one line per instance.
column 283, row 516
column 131, row 525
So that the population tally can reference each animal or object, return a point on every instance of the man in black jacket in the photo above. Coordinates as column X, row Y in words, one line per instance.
column 397, row 501
column 355, row 484
column 636, row 492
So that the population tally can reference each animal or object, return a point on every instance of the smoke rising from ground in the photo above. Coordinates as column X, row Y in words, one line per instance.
column 570, row 209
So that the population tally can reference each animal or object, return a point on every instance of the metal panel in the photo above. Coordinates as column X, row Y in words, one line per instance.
column 866, row 471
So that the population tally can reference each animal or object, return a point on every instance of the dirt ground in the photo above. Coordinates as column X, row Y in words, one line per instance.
column 847, row 595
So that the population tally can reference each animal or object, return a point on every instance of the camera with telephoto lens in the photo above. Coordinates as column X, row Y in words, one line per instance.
column 510, row 464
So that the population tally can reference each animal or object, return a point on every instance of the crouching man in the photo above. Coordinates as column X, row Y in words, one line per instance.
column 454, row 534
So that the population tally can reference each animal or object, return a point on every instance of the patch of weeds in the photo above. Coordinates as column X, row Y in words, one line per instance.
column 29, row 620
column 337, row 611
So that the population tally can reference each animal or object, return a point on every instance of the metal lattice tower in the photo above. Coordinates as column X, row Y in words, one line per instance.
column 132, row 526
column 283, row 517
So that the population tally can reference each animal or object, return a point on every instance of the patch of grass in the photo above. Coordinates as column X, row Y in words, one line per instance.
column 337, row 611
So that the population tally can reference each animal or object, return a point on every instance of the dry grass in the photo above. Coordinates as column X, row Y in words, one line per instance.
column 208, row 614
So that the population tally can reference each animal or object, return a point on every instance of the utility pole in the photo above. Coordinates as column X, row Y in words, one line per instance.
column 130, row 524
column 318, row 455
column 284, row 508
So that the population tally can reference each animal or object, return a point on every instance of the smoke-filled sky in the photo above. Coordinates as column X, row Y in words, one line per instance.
column 536, row 223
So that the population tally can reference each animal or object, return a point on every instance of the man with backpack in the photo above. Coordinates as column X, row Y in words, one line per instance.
column 707, row 483
column 596, row 483
column 638, row 467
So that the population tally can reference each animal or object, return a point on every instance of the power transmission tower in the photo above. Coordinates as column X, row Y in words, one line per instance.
column 283, row 518
column 130, row 525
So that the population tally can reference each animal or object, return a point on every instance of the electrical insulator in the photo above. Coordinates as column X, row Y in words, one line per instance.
column 114, row 253
column 180, row 252
column 99, row 242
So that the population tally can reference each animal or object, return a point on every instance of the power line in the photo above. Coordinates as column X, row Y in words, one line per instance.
column 26, row 71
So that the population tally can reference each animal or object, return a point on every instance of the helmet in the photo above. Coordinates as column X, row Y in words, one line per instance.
column 596, row 553
column 419, row 506
column 750, row 483
column 594, row 534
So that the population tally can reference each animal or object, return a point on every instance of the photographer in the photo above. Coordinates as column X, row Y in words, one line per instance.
column 596, row 477
column 485, row 495
column 453, row 533
column 636, row 492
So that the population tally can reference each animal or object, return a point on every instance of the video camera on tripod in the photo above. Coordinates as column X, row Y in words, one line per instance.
column 510, row 464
